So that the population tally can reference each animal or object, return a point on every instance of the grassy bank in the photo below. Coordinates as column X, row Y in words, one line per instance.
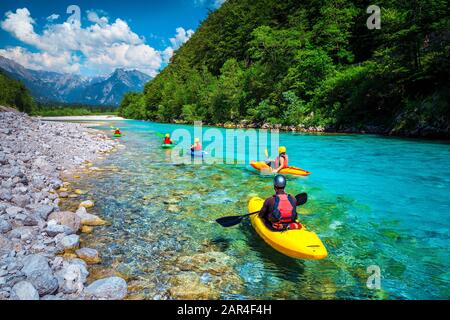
column 46, row 110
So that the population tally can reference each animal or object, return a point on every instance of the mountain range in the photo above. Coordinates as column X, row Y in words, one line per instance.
column 46, row 86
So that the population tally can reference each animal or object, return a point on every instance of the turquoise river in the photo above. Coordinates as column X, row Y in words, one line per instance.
column 374, row 201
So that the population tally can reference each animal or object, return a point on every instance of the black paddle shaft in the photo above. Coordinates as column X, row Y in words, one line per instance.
column 234, row 220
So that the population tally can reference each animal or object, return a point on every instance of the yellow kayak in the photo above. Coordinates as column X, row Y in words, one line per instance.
column 300, row 244
column 262, row 166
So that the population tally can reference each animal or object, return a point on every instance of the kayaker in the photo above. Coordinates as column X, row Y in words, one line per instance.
column 281, row 161
column 117, row 131
column 279, row 211
column 197, row 146
column 167, row 139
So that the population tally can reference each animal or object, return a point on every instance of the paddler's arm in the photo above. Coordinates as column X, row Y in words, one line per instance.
column 280, row 165
column 265, row 210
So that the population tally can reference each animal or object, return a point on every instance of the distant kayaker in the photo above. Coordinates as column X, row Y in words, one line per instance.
column 167, row 139
column 117, row 131
column 279, row 211
column 197, row 146
column 281, row 161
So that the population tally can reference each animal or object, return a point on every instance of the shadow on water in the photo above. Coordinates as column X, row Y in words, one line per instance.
column 284, row 267
column 222, row 243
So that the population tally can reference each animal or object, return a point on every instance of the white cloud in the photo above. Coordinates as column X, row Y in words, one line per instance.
column 180, row 38
column 219, row 3
column 141, row 57
column 64, row 62
column 167, row 54
column 213, row 3
column 102, row 46
column 93, row 17
column 53, row 17
column 20, row 25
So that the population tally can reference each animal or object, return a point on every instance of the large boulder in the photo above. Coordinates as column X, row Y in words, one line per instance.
column 24, row 290
column 66, row 218
column 90, row 256
column 39, row 273
column 53, row 229
column 112, row 288
column 69, row 243
column 72, row 276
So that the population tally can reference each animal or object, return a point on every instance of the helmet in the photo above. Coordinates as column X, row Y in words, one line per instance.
column 117, row 129
column 282, row 150
column 279, row 181
column 167, row 135
column 196, row 140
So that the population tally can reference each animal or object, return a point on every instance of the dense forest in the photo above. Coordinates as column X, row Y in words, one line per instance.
column 60, row 109
column 312, row 65
column 14, row 94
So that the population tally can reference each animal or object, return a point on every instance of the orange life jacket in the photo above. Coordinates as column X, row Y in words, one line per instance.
column 117, row 132
column 286, row 161
column 167, row 140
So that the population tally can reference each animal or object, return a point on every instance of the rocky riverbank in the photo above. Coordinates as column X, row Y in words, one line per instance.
column 40, row 254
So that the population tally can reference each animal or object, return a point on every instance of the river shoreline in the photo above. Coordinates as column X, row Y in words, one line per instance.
column 40, row 254
column 426, row 133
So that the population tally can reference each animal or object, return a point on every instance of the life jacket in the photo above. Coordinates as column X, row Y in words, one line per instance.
column 286, row 161
column 117, row 132
column 198, row 147
column 284, row 212
column 167, row 140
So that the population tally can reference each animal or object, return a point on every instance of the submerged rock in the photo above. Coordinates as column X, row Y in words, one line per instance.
column 69, row 243
column 189, row 286
column 213, row 262
column 89, row 219
column 90, row 256
column 86, row 229
column 86, row 204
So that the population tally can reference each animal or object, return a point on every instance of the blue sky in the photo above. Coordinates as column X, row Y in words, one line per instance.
column 129, row 34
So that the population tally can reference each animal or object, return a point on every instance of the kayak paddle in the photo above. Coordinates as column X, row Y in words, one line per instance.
column 268, row 161
column 234, row 220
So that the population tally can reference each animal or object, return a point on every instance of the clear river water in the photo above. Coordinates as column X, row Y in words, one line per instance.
column 373, row 201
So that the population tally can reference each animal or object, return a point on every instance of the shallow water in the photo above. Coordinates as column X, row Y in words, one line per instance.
column 372, row 200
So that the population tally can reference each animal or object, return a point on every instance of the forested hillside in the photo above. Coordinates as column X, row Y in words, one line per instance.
column 14, row 94
column 312, row 64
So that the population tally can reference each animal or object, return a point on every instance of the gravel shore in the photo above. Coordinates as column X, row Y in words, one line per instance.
column 40, row 254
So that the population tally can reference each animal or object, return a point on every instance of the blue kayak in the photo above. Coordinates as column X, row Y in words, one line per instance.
column 199, row 154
